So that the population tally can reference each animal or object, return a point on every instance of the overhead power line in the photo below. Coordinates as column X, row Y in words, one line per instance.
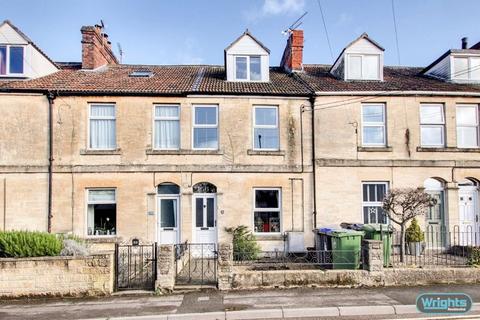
column 326, row 31
column 396, row 31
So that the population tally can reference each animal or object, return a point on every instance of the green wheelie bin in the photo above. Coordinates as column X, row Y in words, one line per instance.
column 345, row 246
column 383, row 232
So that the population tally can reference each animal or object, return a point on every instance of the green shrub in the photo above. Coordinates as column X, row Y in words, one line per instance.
column 20, row 244
column 245, row 245
column 474, row 257
column 414, row 233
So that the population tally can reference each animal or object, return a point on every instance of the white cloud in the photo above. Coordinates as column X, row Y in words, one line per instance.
column 189, row 54
column 344, row 19
column 276, row 7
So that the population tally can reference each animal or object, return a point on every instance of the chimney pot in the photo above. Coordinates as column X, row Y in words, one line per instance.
column 464, row 43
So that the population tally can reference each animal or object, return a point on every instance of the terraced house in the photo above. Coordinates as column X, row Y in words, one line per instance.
column 160, row 153
column 170, row 154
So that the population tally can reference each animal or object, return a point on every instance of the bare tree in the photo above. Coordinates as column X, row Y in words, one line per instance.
column 402, row 205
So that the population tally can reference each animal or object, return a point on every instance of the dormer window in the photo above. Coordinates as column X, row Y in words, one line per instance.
column 457, row 65
column 466, row 68
column 248, row 68
column 363, row 67
column 11, row 60
column 362, row 59
column 247, row 59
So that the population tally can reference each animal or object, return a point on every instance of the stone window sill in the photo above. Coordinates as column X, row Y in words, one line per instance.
column 101, row 239
column 447, row 149
column 269, row 237
column 374, row 149
column 183, row 152
column 252, row 152
column 84, row 152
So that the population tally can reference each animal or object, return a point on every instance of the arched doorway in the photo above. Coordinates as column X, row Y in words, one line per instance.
column 168, row 217
column 468, row 207
column 435, row 218
column 204, row 213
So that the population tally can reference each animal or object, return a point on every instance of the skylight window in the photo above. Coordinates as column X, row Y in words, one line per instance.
column 141, row 74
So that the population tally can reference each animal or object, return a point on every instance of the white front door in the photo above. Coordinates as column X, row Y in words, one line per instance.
column 168, row 222
column 468, row 210
column 205, row 218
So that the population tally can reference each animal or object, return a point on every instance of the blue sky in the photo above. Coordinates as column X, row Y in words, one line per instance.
column 197, row 31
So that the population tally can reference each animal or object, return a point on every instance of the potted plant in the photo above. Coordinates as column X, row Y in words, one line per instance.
column 415, row 238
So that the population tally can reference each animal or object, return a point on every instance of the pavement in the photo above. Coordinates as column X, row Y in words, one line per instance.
column 299, row 303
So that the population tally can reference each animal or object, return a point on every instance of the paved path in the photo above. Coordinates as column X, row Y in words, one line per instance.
column 214, row 301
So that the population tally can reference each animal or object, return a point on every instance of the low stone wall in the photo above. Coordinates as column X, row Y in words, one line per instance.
column 425, row 276
column 57, row 276
column 243, row 278
column 101, row 245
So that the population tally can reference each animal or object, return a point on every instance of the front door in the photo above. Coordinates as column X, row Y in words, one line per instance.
column 205, row 217
column 435, row 230
column 168, row 220
column 468, row 210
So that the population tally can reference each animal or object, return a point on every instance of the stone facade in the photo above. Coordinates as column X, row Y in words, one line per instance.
column 57, row 276
column 134, row 169
column 343, row 163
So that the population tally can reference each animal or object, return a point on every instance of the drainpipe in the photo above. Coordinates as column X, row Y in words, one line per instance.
column 314, row 171
column 51, row 102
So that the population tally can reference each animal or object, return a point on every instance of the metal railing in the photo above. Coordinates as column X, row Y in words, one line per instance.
column 325, row 259
column 195, row 263
column 440, row 247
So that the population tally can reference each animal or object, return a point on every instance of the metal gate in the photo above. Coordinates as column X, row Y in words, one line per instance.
column 196, row 264
column 136, row 266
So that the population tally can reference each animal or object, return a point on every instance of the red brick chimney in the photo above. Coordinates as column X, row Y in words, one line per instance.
column 292, row 59
column 96, row 49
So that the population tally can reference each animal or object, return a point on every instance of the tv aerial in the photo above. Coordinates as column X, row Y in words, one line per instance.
column 295, row 24
column 120, row 51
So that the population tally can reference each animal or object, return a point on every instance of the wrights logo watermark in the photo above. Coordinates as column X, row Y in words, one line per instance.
column 444, row 303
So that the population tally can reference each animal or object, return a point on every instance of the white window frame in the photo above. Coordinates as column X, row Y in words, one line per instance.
column 455, row 74
column 255, row 126
column 476, row 126
column 279, row 209
column 88, row 202
column 194, row 126
column 362, row 77
column 375, row 124
column 7, row 60
column 155, row 118
column 89, row 147
column 433, row 125
column 373, row 204
column 248, row 67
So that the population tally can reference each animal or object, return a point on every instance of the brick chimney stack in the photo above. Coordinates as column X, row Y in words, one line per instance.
column 96, row 48
column 292, row 59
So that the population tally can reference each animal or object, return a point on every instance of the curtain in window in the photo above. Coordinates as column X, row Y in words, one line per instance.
column 3, row 60
column 102, row 127
column 101, row 195
column 90, row 219
column 16, row 60
column 167, row 132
